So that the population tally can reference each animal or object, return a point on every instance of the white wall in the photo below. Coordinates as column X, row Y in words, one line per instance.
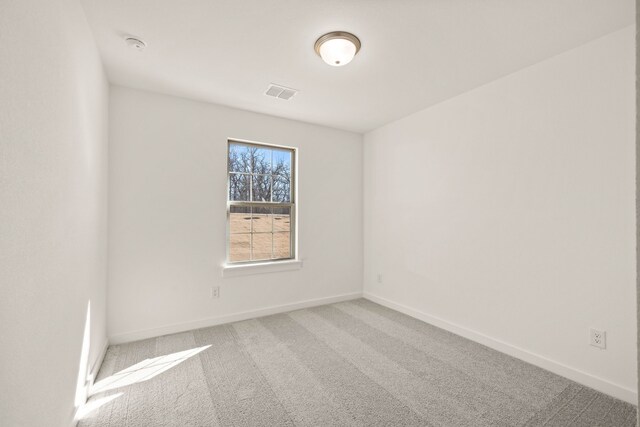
column 507, row 213
column 167, row 214
column 638, row 200
column 53, row 189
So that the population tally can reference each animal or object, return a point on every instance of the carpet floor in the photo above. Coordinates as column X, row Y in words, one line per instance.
column 353, row 363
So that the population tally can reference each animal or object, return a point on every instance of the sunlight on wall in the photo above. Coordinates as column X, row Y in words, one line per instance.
column 83, row 369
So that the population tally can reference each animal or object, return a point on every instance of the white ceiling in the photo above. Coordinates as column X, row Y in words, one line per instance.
column 415, row 53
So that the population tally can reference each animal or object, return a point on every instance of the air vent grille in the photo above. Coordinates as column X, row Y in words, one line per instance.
column 281, row 92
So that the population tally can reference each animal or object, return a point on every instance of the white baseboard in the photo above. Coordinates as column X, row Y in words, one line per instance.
column 228, row 318
column 573, row 374
column 93, row 372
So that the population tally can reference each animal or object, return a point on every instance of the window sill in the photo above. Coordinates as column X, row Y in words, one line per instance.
column 231, row 270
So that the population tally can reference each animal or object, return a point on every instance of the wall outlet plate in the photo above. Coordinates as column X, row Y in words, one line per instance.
column 215, row 292
column 598, row 338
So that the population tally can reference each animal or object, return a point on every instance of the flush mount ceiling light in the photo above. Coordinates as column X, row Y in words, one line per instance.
column 337, row 48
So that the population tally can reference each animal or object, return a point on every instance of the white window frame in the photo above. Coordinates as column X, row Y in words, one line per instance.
column 292, row 205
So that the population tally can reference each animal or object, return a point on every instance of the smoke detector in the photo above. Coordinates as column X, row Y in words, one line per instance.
column 281, row 92
column 135, row 43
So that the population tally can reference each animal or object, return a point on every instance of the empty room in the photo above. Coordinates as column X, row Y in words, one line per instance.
column 318, row 213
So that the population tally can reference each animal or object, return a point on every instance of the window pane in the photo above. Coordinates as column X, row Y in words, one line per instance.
column 238, row 187
column 281, row 245
column 240, row 219
column 260, row 160
column 281, row 176
column 261, row 188
column 262, row 246
column 281, row 188
column 239, row 158
column 281, row 219
column 281, row 161
column 239, row 247
column 262, row 220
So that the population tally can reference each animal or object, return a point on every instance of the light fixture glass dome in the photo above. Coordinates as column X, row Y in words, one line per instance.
column 337, row 48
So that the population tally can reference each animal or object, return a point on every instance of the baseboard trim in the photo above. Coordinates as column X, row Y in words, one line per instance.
column 228, row 318
column 93, row 372
column 74, row 418
column 558, row 368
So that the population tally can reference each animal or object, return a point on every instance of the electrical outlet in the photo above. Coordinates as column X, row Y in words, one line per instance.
column 598, row 338
column 215, row 292
column 379, row 278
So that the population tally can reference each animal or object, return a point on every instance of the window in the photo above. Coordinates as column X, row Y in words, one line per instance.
column 260, row 202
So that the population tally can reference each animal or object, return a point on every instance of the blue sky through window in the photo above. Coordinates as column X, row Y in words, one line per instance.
column 269, row 170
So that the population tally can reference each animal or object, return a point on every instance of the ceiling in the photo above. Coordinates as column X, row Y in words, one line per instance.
column 415, row 53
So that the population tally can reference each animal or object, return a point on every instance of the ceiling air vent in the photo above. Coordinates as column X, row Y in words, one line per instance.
column 281, row 92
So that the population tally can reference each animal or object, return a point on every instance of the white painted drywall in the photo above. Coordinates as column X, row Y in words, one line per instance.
column 53, row 213
column 167, row 214
column 509, row 210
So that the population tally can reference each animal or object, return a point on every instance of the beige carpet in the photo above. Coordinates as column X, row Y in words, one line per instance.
column 348, row 364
